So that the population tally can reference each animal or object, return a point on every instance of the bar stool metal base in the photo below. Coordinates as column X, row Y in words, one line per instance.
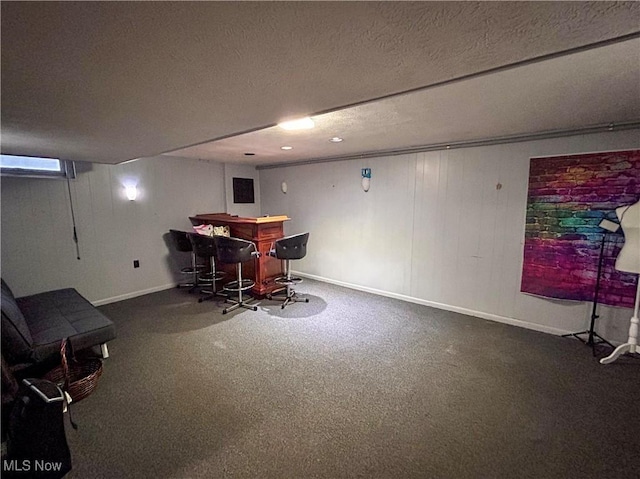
column 194, row 283
column 244, row 304
column 290, row 295
column 210, row 279
column 193, row 271
column 238, row 287
column 208, row 294
column 236, row 251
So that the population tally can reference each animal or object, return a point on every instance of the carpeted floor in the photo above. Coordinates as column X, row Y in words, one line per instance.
column 349, row 385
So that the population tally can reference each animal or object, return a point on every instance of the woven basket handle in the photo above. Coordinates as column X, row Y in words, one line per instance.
column 64, row 362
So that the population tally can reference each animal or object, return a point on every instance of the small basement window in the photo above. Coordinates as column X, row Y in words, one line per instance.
column 13, row 165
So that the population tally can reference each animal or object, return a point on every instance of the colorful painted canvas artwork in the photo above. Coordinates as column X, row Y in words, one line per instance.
column 568, row 198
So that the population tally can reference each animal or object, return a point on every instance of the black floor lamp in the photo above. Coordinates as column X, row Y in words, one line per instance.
column 593, row 338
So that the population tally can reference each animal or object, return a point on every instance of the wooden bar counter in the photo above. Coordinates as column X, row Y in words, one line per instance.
column 263, row 231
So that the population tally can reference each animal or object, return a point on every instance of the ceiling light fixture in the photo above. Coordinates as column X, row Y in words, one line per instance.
column 335, row 139
column 286, row 147
column 299, row 124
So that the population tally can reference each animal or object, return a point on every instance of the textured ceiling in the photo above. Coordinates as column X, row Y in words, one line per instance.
column 114, row 81
column 594, row 87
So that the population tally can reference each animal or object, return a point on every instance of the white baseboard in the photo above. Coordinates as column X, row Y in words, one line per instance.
column 446, row 307
column 134, row 294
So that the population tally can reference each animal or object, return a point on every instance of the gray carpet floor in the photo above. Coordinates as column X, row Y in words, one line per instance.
column 349, row 385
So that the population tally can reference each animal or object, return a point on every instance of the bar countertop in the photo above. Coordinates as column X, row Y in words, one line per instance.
column 240, row 219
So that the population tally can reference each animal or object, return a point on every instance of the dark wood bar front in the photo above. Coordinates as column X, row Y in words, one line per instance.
column 263, row 231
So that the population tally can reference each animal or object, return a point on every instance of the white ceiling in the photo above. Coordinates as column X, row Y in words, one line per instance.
column 594, row 87
column 114, row 81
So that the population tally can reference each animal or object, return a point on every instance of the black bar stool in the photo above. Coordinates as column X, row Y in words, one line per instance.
column 286, row 249
column 237, row 251
column 182, row 244
column 205, row 246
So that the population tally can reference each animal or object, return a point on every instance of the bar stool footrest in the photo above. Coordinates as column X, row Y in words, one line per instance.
column 190, row 269
column 206, row 277
column 234, row 287
column 285, row 280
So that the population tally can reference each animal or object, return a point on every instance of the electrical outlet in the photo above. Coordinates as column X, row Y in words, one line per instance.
column 136, row 263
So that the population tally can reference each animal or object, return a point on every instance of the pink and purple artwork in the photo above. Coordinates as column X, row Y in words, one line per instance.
column 568, row 198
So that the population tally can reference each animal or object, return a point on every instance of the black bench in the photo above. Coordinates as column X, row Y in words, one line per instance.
column 34, row 326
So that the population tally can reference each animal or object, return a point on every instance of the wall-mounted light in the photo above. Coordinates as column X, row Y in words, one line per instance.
column 366, row 179
column 283, row 187
column 131, row 192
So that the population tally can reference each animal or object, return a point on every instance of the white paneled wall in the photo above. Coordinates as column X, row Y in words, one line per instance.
column 38, row 252
column 444, row 228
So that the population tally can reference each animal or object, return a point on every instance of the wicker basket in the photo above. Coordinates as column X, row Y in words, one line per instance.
column 78, row 378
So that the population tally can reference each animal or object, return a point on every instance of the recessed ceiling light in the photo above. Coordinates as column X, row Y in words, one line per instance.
column 300, row 124
column 335, row 139
column 286, row 147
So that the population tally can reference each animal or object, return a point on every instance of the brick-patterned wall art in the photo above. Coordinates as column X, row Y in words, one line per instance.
column 568, row 197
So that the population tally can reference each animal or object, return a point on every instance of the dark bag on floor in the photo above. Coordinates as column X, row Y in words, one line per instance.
column 36, row 441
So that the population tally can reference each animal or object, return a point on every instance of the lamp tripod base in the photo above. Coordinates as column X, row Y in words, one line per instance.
column 593, row 339
column 591, row 334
